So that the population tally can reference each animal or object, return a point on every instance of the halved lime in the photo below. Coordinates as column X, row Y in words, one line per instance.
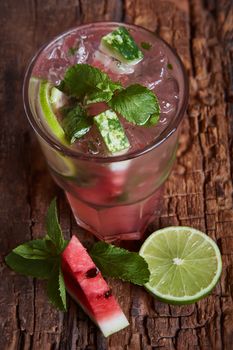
column 185, row 264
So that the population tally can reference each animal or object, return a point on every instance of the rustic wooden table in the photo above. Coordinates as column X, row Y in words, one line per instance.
column 198, row 192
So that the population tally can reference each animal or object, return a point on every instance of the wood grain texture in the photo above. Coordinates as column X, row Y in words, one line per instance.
column 198, row 192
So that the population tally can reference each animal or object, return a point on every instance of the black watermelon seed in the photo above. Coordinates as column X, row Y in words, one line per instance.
column 92, row 272
column 108, row 294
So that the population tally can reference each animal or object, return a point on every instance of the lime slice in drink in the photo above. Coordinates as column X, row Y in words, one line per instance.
column 185, row 264
column 47, row 109
column 50, row 99
column 33, row 89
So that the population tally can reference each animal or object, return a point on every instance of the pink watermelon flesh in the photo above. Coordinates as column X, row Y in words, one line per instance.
column 86, row 285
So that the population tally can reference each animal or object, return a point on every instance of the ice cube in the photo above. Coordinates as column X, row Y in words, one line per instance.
column 112, row 64
column 151, row 67
column 169, row 88
column 168, row 95
column 56, row 71
column 82, row 53
column 57, row 52
column 102, row 58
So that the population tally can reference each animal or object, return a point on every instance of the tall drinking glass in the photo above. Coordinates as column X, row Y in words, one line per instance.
column 114, row 197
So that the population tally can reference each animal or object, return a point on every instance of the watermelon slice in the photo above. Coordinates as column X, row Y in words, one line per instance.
column 86, row 285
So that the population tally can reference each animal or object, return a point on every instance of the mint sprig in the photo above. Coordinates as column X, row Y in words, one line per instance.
column 54, row 232
column 41, row 258
column 120, row 263
column 86, row 82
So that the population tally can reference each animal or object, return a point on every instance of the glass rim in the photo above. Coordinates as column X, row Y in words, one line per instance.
column 162, row 137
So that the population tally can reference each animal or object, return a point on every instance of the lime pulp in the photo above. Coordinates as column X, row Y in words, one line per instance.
column 185, row 264
column 48, row 96
column 49, row 115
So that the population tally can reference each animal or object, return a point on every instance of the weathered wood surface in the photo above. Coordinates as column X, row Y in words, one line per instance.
column 198, row 193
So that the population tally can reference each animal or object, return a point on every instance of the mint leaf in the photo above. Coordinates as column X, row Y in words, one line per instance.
column 62, row 288
column 54, row 232
column 83, row 80
column 36, row 249
column 52, row 248
column 98, row 96
column 120, row 263
column 40, row 258
column 29, row 267
column 56, row 288
column 136, row 104
column 72, row 51
column 145, row 45
column 153, row 120
column 76, row 123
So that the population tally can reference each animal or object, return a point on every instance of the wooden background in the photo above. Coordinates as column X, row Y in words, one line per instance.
column 198, row 193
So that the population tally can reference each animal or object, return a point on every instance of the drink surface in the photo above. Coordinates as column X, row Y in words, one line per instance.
column 159, row 71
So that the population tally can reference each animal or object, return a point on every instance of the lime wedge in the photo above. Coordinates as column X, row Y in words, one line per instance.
column 49, row 115
column 185, row 264
column 49, row 99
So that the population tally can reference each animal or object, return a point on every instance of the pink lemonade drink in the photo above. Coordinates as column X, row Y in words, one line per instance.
column 113, row 160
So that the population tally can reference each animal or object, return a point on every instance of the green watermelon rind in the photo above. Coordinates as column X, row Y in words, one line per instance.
column 108, row 326
column 111, row 131
column 121, row 45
